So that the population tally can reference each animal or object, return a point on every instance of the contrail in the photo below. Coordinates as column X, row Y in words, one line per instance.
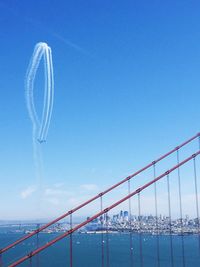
column 39, row 126
column 40, row 26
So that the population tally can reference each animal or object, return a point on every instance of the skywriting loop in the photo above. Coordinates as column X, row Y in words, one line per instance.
column 40, row 126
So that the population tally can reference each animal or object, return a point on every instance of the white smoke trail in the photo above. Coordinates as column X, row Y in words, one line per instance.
column 48, row 98
column 40, row 127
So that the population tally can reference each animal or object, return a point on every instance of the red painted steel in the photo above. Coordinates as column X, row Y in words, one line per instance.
column 50, row 243
column 97, row 196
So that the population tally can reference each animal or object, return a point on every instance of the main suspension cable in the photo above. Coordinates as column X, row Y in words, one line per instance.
column 3, row 250
column 136, row 192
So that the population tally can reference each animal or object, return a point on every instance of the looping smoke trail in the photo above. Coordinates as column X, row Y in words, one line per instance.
column 40, row 127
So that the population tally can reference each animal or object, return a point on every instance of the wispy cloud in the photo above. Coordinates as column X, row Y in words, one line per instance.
column 27, row 192
column 89, row 187
column 57, row 192
column 54, row 201
column 58, row 185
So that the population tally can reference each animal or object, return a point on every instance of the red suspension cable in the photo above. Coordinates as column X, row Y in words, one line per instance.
column 35, row 252
column 3, row 250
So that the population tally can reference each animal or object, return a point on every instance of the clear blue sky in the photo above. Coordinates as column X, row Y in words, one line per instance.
column 127, row 88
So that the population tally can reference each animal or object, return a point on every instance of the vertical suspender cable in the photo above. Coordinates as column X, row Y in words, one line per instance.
column 181, row 210
column 71, row 242
column 199, row 141
column 102, row 236
column 170, row 222
column 1, row 259
column 37, row 244
column 196, row 198
column 130, row 225
column 107, row 243
column 140, row 233
column 156, row 213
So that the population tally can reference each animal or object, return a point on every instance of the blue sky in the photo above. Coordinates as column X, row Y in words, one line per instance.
column 126, row 90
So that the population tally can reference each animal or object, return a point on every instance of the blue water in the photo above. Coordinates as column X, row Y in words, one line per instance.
column 87, row 250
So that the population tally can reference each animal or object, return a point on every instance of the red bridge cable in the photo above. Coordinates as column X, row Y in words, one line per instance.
column 97, row 196
column 50, row 243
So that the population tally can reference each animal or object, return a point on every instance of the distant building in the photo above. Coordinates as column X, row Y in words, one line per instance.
column 121, row 214
column 126, row 218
